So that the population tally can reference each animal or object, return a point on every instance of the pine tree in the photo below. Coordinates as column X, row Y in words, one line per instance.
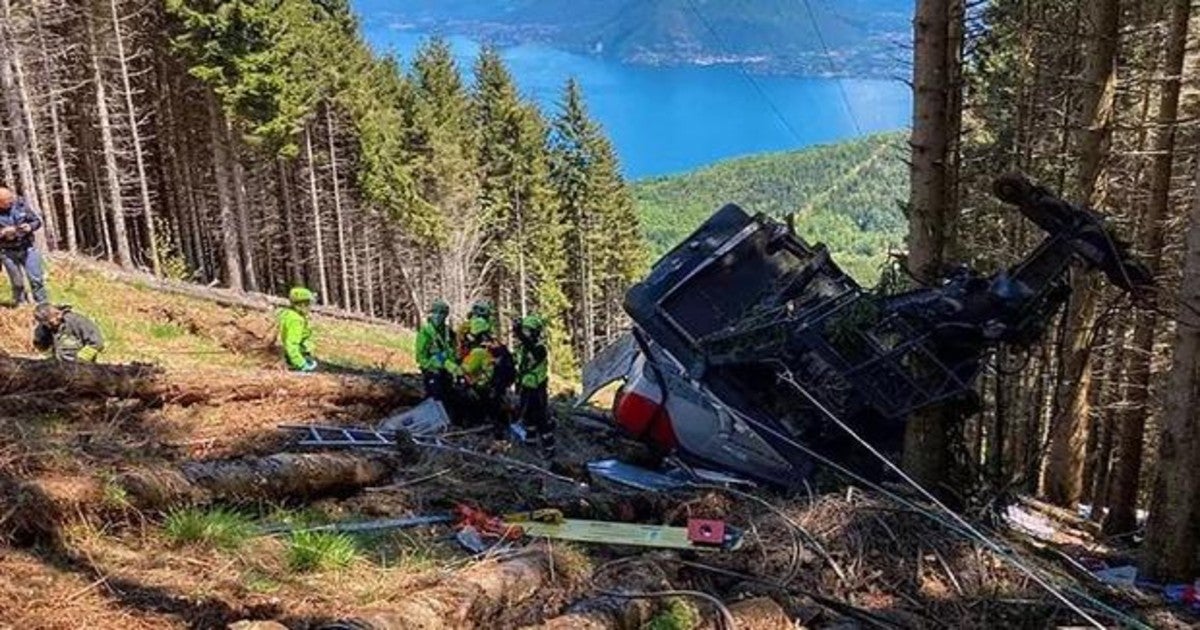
column 444, row 167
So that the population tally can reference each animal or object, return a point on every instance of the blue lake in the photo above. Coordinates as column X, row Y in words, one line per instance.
column 667, row 120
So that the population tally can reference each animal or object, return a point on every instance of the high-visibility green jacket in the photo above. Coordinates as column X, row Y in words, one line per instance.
column 435, row 348
column 533, row 365
column 479, row 367
column 295, row 336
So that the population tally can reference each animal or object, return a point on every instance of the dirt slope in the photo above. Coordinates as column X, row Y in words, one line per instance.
column 131, row 494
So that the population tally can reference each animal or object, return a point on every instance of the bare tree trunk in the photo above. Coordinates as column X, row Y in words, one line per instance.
column 136, row 137
column 322, row 282
column 337, row 209
column 1172, row 549
column 926, row 445
column 239, row 199
column 1122, row 503
column 60, row 158
column 16, row 115
column 522, row 273
column 221, row 166
column 368, row 271
column 116, row 203
column 1068, row 438
column 287, row 210
column 48, row 237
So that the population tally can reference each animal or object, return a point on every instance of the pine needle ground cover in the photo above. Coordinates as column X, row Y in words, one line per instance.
column 116, row 512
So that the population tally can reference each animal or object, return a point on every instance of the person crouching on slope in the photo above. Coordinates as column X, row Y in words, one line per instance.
column 533, row 371
column 295, row 334
column 487, row 372
column 66, row 334
column 436, row 356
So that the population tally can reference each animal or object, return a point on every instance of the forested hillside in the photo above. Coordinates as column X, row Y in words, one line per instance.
column 260, row 144
column 847, row 196
column 1097, row 98
column 774, row 36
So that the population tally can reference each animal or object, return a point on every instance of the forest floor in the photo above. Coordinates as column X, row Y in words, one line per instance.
column 188, row 382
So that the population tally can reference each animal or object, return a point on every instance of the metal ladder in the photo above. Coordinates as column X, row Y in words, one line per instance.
column 341, row 437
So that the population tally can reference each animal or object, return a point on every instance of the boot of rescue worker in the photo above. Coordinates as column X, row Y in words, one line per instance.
column 533, row 379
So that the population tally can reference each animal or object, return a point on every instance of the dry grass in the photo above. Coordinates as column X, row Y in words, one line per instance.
column 99, row 563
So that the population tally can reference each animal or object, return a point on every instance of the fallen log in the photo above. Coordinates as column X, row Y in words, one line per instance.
column 275, row 477
column 760, row 613
column 471, row 599
column 155, row 385
column 216, row 295
column 602, row 613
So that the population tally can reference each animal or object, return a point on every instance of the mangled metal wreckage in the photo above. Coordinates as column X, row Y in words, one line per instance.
column 747, row 341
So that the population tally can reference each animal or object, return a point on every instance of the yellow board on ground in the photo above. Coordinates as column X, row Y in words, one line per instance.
column 613, row 533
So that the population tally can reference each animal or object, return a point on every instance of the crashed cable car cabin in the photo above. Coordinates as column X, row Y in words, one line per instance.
column 747, row 341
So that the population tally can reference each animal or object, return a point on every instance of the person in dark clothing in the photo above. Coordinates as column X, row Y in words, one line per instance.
column 20, row 257
column 67, row 335
column 533, row 378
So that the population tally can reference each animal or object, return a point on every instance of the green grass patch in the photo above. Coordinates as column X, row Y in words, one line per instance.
column 221, row 528
column 258, row 582
column 320, row 551
column 165, row 331
column 115, row 495
column 675, row 615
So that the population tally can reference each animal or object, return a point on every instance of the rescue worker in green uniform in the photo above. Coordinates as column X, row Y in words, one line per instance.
column 482, row 309
column 488, row 372
column 533, row 377
column 436, row 356
column 68, row 335
column 295, row 334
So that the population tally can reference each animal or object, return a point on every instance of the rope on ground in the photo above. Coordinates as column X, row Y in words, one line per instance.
column 960, row 524
column 726, row 617
column 798, row 532
column 502, row 460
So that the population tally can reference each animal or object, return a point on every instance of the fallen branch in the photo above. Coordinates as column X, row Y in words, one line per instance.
column 602, row 613
column 219, row 296
column 472, row 599
column 276, row 477
column 156, row 385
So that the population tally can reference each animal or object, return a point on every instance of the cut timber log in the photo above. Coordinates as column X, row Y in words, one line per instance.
column 471, row 599
column 219, row 296
column 152, row 384
column 612, row 613
column 279, row 476
column 760, row 613
column 603, row 613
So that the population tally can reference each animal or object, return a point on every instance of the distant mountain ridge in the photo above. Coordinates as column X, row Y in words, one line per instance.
column 845, row 195
column 766, row 36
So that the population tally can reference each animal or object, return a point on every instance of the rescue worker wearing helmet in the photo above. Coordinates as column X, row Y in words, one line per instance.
column 436, row 352
column 533, row 371
column 487, row 373
column 295, row 333
column 481, row 309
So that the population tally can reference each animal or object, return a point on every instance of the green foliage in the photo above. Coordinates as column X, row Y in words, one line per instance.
column 844, row 195
column 165, row 331
column 220, row 528
column 602, row 229
column 469, row 180
column 676, row 614
column 320, row 551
